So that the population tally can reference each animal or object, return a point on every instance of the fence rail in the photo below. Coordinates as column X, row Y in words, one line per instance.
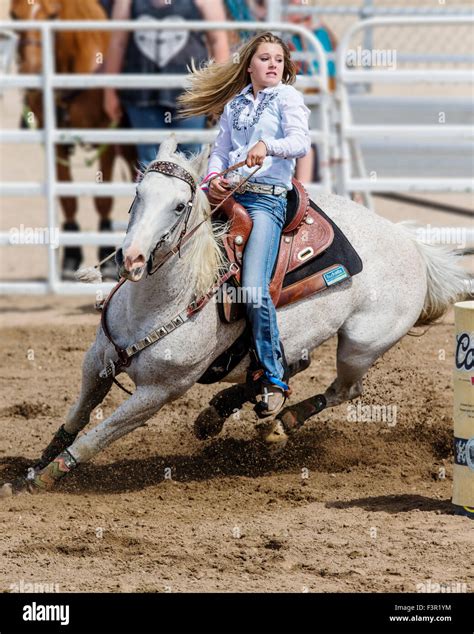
column 48, row 81
column 333, row 147
column 350, row 132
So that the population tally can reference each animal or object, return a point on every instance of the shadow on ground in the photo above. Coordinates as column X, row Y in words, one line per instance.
column 396, row 504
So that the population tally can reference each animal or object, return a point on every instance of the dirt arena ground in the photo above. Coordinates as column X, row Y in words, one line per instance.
column 372, row 515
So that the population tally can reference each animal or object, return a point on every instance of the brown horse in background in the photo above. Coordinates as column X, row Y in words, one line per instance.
column 75, row 52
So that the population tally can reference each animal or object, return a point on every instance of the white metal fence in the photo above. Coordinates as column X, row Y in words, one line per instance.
column 49, row 80
column 341, row 150
column 441, row 132
column 415, row 46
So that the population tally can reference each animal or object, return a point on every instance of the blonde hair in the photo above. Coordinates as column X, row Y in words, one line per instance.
column 214, row 85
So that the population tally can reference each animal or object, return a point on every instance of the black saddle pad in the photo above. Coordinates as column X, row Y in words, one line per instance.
column 340, row 251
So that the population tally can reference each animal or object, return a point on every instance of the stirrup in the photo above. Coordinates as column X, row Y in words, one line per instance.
column 271, row 399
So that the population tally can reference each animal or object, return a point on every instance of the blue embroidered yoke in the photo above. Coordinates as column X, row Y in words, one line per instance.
column 277, row 116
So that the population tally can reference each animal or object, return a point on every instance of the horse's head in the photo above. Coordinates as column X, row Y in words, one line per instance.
column 29, row 45
column 161, row 211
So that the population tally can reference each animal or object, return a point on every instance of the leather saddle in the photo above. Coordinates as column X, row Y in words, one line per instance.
column 307, row 233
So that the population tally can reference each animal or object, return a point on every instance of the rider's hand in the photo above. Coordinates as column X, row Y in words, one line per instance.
column 256, row 154
column 112, row 106
column 218, row 188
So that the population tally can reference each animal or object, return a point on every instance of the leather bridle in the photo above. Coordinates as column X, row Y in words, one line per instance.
column 172, row 169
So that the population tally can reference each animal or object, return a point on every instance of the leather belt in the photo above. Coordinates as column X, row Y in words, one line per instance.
column 275, row 190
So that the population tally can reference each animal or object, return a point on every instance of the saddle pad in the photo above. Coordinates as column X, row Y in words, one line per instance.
column 339, row 261
column 339, row 252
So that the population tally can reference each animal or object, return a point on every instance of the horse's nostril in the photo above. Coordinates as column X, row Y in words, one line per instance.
column 133, row 260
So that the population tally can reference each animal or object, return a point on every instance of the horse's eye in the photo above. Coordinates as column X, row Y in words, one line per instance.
column 181, row 207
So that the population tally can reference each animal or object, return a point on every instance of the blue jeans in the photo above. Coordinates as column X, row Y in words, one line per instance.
column 268, row 214
column 157, row 118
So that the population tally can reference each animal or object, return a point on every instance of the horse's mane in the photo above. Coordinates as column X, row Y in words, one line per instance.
column 203, row 254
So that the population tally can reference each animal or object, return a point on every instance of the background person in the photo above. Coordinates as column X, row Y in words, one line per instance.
column 307, row 168
column 160, row 52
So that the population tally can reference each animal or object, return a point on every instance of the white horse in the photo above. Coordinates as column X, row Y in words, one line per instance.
column 403, row 282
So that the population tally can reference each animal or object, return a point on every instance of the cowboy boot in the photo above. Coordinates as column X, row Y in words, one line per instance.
column 72, row 256
column 272, row 396
column 270, row 393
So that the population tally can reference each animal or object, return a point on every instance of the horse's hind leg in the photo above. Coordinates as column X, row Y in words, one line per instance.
column 354, row 358
column 211, row 420
column 93, row 391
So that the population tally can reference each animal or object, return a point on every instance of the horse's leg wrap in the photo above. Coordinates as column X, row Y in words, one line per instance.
column 230, row 399
column 296, row 415
column 211, row 420
column 61, row 441
column 298, row 366
column 45, row 479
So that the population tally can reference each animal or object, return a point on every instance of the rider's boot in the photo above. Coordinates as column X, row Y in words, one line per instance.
column 270, row 393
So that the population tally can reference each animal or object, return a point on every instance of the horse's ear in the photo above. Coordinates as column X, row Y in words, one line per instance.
column 168, row 147
column 201, row 160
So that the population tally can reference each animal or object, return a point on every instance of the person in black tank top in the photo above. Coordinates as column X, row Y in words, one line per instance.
column 160, row 52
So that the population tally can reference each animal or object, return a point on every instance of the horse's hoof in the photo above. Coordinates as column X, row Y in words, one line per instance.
column 208, row 423
column 6, row 491
column 20, row 485
column 289, row 420
column 273, row 435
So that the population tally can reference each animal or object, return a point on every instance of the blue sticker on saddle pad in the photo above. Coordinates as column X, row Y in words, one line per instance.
column 335, row 275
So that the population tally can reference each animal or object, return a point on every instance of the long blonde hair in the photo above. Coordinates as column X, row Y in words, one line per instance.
column 214, row 85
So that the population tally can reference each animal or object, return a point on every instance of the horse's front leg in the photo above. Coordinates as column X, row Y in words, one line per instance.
column 93, row 391
column 143, row 404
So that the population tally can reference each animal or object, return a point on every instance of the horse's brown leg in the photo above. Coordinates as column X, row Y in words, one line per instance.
column 106, row 161
column 130, row 156
column 104, row 208
column 72, row 255
column 63, row 174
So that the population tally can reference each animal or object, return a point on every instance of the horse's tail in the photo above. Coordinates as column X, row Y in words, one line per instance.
column 447, row 281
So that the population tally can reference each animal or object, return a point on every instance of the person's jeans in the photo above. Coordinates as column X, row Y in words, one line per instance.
column 157, row 118
column 268, row 214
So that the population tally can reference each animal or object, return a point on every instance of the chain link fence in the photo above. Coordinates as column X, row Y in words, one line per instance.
column 434, row 46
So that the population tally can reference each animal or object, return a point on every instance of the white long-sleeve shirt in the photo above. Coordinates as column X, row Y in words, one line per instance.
column 277, row 116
